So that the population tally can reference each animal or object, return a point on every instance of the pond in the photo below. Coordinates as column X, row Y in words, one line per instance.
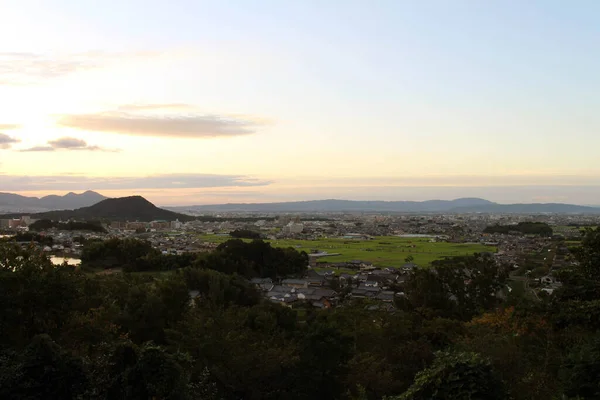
column 61, row 260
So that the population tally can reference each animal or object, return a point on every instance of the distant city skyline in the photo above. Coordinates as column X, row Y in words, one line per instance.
column 192, row 102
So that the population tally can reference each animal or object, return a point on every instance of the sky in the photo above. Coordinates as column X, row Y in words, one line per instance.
column 199, row 102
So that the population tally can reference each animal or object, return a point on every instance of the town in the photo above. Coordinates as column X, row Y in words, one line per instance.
column 350, row 255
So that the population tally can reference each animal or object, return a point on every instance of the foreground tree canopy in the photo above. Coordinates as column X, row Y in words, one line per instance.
column 197, row 329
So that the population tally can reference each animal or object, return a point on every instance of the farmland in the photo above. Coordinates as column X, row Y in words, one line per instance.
column 383, row 251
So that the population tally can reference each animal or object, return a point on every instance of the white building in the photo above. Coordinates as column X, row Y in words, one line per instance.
column 176, row 224
column 293, row 228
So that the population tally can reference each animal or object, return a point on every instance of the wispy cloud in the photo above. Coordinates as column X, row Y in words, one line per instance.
column 31, row 68
column 66, row 143
column 131, row 120
column 169, row 181
column 6, row 141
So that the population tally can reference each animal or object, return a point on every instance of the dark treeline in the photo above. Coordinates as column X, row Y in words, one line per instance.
column 29, row 237
column 203, row 332
column 46, row 224
column 245, row 234
column 525, row 228
column 253, row 259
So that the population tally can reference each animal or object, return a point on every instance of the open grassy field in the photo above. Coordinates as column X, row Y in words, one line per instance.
column 383, row 251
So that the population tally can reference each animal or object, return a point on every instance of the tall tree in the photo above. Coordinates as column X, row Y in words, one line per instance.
column 456, row 376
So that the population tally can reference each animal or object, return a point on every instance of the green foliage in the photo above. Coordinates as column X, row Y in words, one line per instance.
column 525, row 228
column 457, row 287
column 156, row 374
column 582, row 369
column 46, row 224
column 154, row 261
column 588, row 255
column 35, row 297
column 220, row 289
column 245, row 234
column 255, row 259
column 125, row 371
column 43, row 371
column 324, row 352
column 456, row 376
column 116, row 253
column 29, row 237
column 577, row 303
column 139, row 336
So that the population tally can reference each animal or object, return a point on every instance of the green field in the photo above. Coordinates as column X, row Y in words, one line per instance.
column 383, row 251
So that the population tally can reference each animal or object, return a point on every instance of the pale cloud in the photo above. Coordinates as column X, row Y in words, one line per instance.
column 6, row 141
column 20, row 68
column 155, row 107
column 66, row 143
column 37, row 149
column 9, row 127
column 19, row 183
column 167, row 125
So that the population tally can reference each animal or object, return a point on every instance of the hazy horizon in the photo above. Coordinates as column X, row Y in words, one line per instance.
column 501, row 195
column 210, row 102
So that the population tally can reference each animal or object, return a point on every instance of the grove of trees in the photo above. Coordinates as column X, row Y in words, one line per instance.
column 46, row 224
column 525, row 228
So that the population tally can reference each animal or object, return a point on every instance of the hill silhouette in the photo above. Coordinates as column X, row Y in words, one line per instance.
column 464, row 205
column 70, row 201
column 133, row 208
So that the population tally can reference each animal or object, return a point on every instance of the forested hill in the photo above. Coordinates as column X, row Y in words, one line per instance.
column 134, row 208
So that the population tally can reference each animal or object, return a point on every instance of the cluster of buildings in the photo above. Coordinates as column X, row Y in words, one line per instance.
column 326, row 290
column 136, row 226
column 16, row 224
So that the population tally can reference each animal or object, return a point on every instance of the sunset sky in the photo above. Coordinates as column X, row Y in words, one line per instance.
column 195, row 102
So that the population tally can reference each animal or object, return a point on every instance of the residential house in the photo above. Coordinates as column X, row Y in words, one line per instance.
column 385, row 296
column 264, row 284
column 295, row 283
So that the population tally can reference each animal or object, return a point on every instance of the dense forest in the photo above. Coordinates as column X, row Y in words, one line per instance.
column 525, row 228
column 201, row 331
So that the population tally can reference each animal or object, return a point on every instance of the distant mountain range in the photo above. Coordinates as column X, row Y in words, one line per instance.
column 464, row 205
column 10, row 202
column 92, row 206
